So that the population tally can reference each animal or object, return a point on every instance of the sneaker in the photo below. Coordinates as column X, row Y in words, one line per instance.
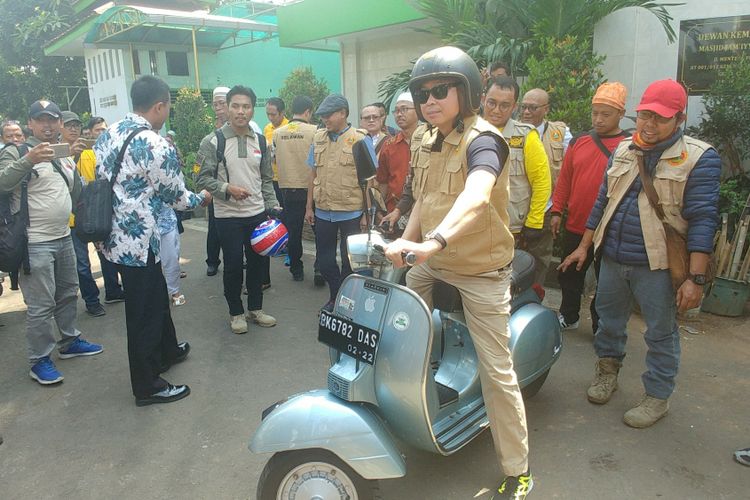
column 514, row 487
column 564, row 325
column 647, row 412
column 45, row 373
column 238, row 324
column 80, row 347
column 287, row 261
column 605, row 380
column 167, row 395
column 114, row 299
column 743, row 456
column 260, row 318
column 96, row 310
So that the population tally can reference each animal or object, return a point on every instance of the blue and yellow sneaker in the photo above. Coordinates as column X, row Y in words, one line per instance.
column 514, row 487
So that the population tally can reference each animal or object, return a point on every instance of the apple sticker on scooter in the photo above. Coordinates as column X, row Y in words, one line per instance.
column 401, row 321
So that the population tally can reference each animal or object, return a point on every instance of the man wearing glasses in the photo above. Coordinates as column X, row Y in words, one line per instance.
column 626, row 226
column 371, row 120
column 530, row 184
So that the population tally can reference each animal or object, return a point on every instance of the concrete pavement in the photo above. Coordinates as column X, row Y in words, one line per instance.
column 85, row 438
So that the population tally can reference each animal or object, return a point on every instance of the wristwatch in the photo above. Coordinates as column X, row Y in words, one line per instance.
column 434, row 235
column 698, row 279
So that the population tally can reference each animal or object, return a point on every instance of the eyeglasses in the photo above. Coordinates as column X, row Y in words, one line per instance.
column 439, row 92
column 371, row 118
column 502, row 106
column 531, row 108
column 73, row 126
column 650, row 115
column 402, row 110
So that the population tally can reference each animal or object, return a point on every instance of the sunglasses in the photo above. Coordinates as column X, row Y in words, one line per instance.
column 439, row 92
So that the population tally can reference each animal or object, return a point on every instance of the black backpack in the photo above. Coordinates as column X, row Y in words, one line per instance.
column 13, row 227
column 93, row 211
column 221, row 144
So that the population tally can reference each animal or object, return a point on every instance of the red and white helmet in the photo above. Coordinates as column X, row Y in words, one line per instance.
column 269, row 238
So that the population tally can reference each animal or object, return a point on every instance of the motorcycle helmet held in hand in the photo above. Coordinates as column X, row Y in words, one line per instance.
column 449, row 63
column 269, row 238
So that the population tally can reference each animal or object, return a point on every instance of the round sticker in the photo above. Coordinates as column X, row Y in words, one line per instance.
column 401, row 321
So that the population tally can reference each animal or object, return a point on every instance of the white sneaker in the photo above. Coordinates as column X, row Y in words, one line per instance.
column 261, row 318
column 564, row 325
column 238, row 324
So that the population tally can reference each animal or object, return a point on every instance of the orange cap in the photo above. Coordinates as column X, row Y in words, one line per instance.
column 612, row 94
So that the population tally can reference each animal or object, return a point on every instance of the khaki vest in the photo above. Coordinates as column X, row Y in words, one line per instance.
column 670, row 177
column 439, row 177
column 292, row 145
column 335, row 186
column 520, row 189
column 554, row 145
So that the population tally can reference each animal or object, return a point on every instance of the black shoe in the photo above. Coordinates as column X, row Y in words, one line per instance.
column 183, row 349
column 328, row 306
column 114, row 299
column 514, row 487
column 212, row 270
column 96, row 310
column 167, row 395
column 319, row 280
column 300, row 276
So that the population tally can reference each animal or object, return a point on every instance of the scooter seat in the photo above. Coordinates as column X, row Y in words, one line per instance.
column 447, row 298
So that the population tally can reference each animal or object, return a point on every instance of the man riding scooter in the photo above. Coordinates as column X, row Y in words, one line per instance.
column 463, row 238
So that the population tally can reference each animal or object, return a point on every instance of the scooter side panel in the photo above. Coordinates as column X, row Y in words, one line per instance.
column 535, row 341
column 317, row 419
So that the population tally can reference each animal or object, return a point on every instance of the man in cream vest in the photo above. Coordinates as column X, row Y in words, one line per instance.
column 625, row 228
column 530, row 183
column 291, row 144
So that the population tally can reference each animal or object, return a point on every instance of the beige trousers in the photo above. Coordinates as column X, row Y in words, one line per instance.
column 486, row 303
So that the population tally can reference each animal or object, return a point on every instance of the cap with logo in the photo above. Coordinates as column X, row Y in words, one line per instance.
column 664, row 97
column 42, row 107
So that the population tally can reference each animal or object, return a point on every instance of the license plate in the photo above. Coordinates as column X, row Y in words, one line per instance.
column 348, row 337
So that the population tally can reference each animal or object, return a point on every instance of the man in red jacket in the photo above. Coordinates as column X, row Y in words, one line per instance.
column 577, row 186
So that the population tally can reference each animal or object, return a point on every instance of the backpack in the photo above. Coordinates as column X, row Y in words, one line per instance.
column 94, row 209
column 221, row 144
column 14, row 238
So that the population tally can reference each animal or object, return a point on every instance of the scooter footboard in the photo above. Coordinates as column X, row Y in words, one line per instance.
column 317, row 419
column 535, row 341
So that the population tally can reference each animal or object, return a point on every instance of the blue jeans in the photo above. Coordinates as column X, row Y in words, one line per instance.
column 619, row 285
column 326, row 234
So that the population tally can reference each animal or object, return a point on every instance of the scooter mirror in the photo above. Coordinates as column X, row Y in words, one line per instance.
column 376, row 200
column 363, row 161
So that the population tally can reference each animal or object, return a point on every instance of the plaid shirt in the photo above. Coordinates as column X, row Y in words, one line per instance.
column 149, row 178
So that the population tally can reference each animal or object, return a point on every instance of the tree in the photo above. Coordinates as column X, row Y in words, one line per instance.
column 26, row 74
column 302, row 81
column 571, row 75
column 191, row 122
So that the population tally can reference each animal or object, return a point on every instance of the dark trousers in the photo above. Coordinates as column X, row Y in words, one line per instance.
column 234, row 235
column 295, row 201
column 152, row 340
column 326, row 234
column 572, row 282
column 86, row 282
column 212, row 239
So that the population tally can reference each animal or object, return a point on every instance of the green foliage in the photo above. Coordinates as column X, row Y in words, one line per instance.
column 724, row 122
column 733, row 194
column 569, row 71
column 191, row 120
column 26, row 74
column 302, row 81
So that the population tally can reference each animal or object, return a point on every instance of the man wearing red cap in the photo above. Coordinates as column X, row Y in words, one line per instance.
column 628, row 230
column 581, row 175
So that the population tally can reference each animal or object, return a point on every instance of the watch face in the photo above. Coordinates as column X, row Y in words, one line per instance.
column 698, row 279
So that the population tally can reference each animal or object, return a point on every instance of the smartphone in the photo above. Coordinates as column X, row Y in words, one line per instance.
column 61, row 150
column 88, row 142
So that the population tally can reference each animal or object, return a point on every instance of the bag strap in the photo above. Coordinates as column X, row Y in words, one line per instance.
column 599, row 144
column 121, row 155
column 648, row 186
column 221, row 145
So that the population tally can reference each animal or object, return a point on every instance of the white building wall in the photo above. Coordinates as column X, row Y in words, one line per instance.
column 108, row 73
column 366, row 62
column 638, row 52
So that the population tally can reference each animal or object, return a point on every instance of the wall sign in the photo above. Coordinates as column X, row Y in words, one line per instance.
column 707, row 45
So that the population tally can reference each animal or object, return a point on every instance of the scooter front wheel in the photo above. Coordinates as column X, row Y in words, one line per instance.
column 313, row 473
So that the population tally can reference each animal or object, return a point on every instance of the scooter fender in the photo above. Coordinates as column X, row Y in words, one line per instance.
column 317, row 419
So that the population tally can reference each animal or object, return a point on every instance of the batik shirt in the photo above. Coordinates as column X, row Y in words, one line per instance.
column 149, row 178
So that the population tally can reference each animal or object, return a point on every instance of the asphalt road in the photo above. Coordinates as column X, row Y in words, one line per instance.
column 85, row 438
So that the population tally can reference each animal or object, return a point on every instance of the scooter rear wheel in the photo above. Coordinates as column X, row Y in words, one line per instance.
column 530, row 390
column 313, row 473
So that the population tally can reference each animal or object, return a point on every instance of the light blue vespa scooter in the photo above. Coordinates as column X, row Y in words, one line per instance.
column 401, row 376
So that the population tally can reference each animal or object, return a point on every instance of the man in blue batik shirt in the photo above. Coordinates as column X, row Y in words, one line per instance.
column 150, row 177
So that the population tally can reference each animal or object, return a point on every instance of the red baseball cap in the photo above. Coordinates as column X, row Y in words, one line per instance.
column 664, row 97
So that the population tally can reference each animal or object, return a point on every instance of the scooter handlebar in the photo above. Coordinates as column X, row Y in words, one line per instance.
column 410, row 258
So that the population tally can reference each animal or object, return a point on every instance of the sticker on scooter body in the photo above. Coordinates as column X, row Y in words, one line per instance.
column 348, row 337
column 401, row 321
column 346, row 303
